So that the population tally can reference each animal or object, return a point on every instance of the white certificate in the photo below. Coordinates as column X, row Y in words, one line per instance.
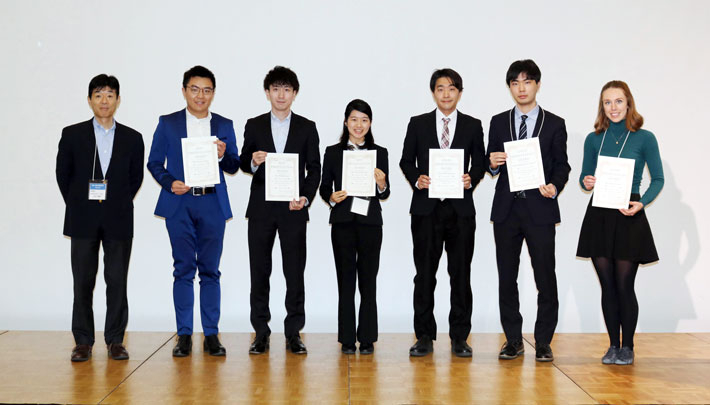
column 200, row 161
column 445, row 172
column 612, row 188
column 359, row 172
column 281, row 177
column 524, row 163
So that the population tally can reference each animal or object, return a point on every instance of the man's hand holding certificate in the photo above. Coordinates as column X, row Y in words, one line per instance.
column 445, row 173
column 524, row 160
column 282, row 177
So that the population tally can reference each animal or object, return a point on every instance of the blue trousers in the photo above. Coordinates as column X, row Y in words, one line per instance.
column 196, row 234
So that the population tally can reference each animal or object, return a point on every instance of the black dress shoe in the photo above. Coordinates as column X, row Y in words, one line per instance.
column 260, row 345
column 543, row 352
column 348, row 349
column 367, row 348
column 183, row 346
column 117, row 351
column 511, row 350
column 81, row 353
column 295, row 344
column 460, row 348
column 423, row 347
column 213, row 346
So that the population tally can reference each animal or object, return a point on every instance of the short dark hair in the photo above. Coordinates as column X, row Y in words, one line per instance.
column 198, row 71
column 280, row 75
column 449, row 73
column 101, row 81
column 526, row 66
column 363, row 107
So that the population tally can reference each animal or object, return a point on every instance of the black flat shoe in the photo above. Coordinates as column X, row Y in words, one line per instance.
column 295, row 344
column 543, row 352
column 423, row 347
column 511, row 350
column 460, row 348
column 260, row 345
column 367, row 348
column 213, row 346
column 348, row 349
column 183, row 346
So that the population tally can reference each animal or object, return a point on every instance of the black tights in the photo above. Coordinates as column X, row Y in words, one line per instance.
column 619, row 304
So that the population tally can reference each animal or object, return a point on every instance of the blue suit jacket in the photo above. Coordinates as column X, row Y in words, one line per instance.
column 167, row 144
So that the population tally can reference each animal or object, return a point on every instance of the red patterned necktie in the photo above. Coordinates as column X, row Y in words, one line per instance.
column 445, row 134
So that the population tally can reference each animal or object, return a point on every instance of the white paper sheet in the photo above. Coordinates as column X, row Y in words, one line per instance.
column 360, row 206
column 612, row 188
column 200, row 161
column 359, row 172
column 525, row 170
column 445, row 171
column 281, row 176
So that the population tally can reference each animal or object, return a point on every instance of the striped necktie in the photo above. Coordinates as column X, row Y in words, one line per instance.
column 523, row 133
column 445, row 134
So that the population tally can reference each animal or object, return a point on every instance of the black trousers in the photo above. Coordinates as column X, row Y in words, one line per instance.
column 261, row 235
column 85, row 264
column 356, row 249
column 540, row 239
column 430, row 234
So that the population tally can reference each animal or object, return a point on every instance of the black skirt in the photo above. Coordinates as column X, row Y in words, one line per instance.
column 609, row 233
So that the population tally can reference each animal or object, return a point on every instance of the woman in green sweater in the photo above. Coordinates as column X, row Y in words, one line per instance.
column 618, row 241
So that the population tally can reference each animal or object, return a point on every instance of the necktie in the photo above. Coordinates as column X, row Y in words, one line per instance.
column 523, row 133
column 445, row 134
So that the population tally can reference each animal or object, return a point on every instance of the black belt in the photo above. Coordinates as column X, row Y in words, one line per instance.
column 519, row 195
column 199, row 191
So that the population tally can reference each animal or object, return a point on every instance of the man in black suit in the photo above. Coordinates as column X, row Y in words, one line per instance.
column 99, row 171
column 438, row 222
column 529, row 214
column 279, row 131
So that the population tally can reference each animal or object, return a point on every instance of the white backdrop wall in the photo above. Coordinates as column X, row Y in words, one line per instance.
column 383, row 52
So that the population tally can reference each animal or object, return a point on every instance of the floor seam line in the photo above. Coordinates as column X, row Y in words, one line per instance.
column 568, row 377
column 136, row 369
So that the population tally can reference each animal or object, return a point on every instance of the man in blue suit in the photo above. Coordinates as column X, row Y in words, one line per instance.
column 194, row 216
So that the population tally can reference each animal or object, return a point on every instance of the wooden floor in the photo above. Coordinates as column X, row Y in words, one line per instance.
column 670, row 368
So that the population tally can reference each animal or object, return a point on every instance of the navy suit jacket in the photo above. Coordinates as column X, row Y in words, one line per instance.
column 302, row 139
column 167, row 144
column 333, row 181
column 86, row 218
column 422, row 136
column 553, row 146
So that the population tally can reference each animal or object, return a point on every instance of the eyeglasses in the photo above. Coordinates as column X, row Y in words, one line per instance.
column 194, row 90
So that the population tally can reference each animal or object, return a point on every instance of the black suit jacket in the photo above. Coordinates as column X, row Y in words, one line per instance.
column 83, row 217
column 553, row 146
column 422, row 136
column 333, row 180
column 302, row 139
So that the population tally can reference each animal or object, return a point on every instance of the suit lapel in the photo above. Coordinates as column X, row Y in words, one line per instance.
column 434, row 137
column 538, row 123
column 266, row 130
column 292, row 134
column 118, row 147
column 458, row 132
column 181, row 122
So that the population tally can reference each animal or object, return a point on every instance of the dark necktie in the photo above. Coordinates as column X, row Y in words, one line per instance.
column 523, row 133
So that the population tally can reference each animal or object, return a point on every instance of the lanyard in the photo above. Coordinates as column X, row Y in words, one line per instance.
column 511, row 120
column 622, row 145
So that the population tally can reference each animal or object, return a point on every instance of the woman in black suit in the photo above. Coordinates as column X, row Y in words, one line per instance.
column 356, row 237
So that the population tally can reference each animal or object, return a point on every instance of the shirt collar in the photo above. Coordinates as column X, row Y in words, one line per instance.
column 275, row 119
column 192, row 119
column 440, row 115
column 98, row 126
column 532, row 114
column 359, row 146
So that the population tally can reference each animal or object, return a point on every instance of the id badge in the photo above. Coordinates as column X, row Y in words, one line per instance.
column 360, row 206
column 97, row 189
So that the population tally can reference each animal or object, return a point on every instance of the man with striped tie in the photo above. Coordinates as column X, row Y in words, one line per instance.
column 530, row 214
column 443, row 222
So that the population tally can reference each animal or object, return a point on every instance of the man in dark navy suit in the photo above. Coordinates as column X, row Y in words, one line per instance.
column 528, row 215
column 279, row 131
column 99, row 172
column 443, row 222
column 195, row 216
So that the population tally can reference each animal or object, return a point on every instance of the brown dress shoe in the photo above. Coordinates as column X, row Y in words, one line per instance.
column 81, row 353
column 117, row 351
